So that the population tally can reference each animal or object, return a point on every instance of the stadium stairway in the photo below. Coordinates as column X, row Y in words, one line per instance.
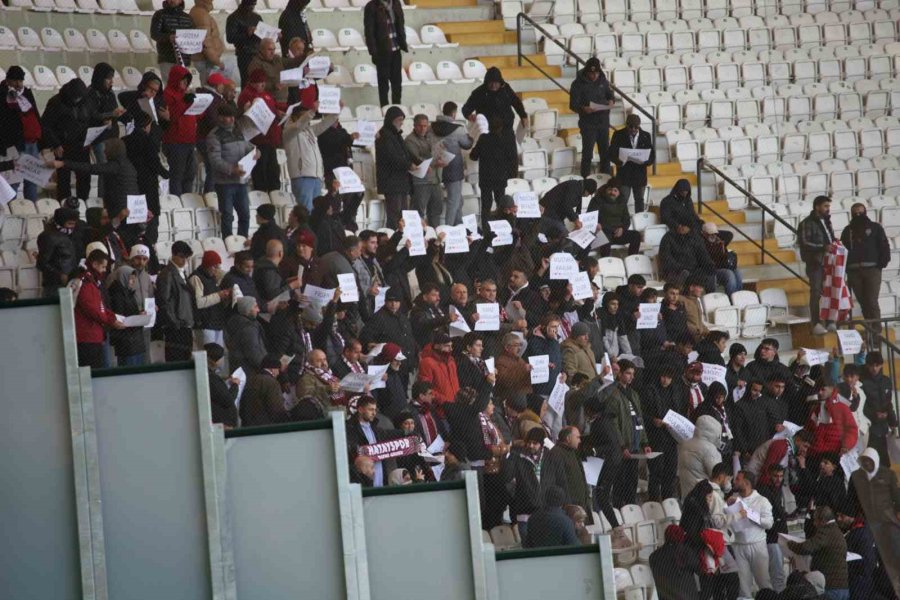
column 139, row 496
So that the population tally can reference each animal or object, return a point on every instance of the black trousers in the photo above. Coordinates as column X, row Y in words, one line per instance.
column 82, row 179
column 389, row 69
column 490, row 193
column 625, row 488
column 90, row 355
column 179, row 344
column 663, row 472
column 598, row 137
column 603, row 491
column 630, row 237
column 266, row 174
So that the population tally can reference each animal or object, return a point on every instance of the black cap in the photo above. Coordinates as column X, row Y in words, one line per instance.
column 270, row 361
column 393, row 294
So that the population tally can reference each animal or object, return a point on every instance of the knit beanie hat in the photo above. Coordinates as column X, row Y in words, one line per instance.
column 579, row 329
column 211, row 258
column 244, row 305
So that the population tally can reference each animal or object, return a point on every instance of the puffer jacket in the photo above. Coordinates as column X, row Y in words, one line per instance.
column 237, row 30
column 245, row 341
column 166, row 21
column 612, row 213
column 454, row 138
column 182, row 128
column 67, row 117
column 698, row 455
column 841, row 432
column 92, row 315
column 584, row 91
column 300, row 140
column 440, row 370
column 683, row 253
column 213, row 46
column 577, row 359
column 392, row 158
column 225, row 147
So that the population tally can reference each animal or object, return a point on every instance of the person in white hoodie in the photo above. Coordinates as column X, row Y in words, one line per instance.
column 749, row 547
column 698, row 455
column 304, row 160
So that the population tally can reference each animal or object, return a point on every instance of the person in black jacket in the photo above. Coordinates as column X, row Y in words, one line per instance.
column 65, row 122
column 469, row 417
column 20, row 122
column 683, row 254
column 211, row 304
column 269, row 282
column 293, row 24
column 750, row 425
column 240, row 31
column 879, row 407
column 710, row 349
column 57, row 256
column 392, row 164
column 221, row 395
column 104, row 102
column 241, row 275
column 868, row 253
column 362, row 431
column 632, row 175
column 774, row 493
column 550, row 525
column 129, row 342
column 563, row 201
column 149, row 89
column 391, row 325
column 175, row 304
column 522, row 484
column 385, row 39
column 268, row 230
column 498, row 162
column 494, row 98
column 657, row 399
column 678, row 206
column 591, row 97
column 165, row 22
column 288, row 337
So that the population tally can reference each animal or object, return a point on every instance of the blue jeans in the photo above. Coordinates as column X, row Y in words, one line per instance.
column 837, row 594
column 305, row 189
column 131, row 361
column 29, row 189
column 730, row 279
column 234, row 197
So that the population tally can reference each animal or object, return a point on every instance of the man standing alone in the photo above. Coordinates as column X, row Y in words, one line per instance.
column 386, row 39
column 591, row 97
column 632, row 174
column 868, row 254
column 815, row 237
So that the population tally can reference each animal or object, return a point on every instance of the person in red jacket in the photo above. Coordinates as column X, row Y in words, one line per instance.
column 266, row 174
column 438, row 367
column 92, row 316
column 832, row 424
column 180, row 137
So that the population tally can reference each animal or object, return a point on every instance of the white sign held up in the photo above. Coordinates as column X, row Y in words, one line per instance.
column 137, row 209
column 200, row 104
column 329, row 100
column 190, row 41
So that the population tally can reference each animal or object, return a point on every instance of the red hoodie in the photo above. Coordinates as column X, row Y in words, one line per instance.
column 273, row 136
column 439, row 369
column 91, row 315
column 841, row 432
column 182, row 128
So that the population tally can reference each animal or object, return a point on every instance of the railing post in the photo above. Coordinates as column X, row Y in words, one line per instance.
column 762, row 252
column 699, row 186
column 653, row 141
column 519, row 39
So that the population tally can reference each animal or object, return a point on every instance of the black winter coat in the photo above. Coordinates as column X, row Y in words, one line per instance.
column 293, row 23
column 656, row 401
column 143, row 150
column 375, row 21
column 129, row 341
column 237, row 27
column 687, row 252
column 11, row 133
column 164, row 23
column 57, row 254
column 386, row 326
column 750, row 425
column 582, row 92
column 497, row 157
column 120, row 180
column 335, row 145
column 465, row 425
column 501, row 104
column 67, row 117
column 631, row 174
column 522, row 483
column 221, row 399
column 393, row 162
column 268, row 281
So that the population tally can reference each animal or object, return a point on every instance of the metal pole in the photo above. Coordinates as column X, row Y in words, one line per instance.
column 699, row 186
column 762, row 255
column 519, row 39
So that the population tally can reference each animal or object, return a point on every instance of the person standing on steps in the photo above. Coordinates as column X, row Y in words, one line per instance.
column 868, row 253
column 240, row 31
column 632, row 175
column 815, row 235
column 385, row 33
column 591, row 97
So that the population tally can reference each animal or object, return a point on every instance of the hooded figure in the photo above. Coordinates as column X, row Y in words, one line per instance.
column 118, row 175
column 129, row 101
column 165, row 22
column 123, row 300
column 182, row 128
column 57, row 256
column 293, row 24
column 392, row 164
column 492, row 101
column 698, row 455
column 239, row 31
column 100, row 93
column 678, row 206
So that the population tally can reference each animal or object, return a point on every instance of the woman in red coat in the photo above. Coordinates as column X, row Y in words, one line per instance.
column 266, row 174
column 92, row 316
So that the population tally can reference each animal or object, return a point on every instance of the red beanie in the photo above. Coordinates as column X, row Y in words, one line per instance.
column 210, row 259
column 258, row 76
column 306, row 237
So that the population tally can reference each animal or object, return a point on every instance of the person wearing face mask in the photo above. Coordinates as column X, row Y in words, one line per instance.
column 392, row 165
column 129, row 342
column 678, row 206
column 57, row 256
column 21, row 122
column 175, row 303
column 868, row 253
column 92, row 315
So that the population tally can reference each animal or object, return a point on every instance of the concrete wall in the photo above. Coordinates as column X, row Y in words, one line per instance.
column 574, row 573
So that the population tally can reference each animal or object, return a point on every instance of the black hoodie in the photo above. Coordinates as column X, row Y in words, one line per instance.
column 67, row 117
column 501, row 103
column 393, row 160
column 674, row 208
column 584, row 91
column 103, row 99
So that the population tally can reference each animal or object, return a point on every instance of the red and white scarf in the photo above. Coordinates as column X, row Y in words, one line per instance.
column 489, row 433
column 326, row 377
column 835, row 304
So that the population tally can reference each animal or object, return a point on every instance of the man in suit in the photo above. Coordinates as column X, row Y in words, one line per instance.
column 175, row 304
column 632, row 176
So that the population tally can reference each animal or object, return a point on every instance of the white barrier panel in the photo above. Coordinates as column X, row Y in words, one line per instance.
column 574, row 573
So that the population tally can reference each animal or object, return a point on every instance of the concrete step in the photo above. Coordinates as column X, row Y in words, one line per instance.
column 445, row 3
column 505, row 61
column 492, row 26
column 482, row 38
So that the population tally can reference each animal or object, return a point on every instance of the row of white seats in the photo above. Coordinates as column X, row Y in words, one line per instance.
column 348, row 38
column 586, row 11
column 73, row 40
column 130, row 7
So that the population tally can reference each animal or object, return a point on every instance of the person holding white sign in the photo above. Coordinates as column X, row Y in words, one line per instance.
column 180, row 137
column 563, row 201
column 272, row 65
column 226, row 147
column 63, row 125
column 267, row 173
column 454, row 139
column 392, row 164
column 129, row 342
column 615, row 218
column 163, row 25
column 19, row 109
column 304, row 159
column 749, row 547
column 427, row 196
column 591, row 97
column 632, row 175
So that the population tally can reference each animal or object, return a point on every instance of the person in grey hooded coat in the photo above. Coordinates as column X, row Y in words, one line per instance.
column 244, row 336
column 698, row 455
column 454, row 139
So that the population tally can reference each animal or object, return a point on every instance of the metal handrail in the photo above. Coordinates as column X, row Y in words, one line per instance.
column 580, row 62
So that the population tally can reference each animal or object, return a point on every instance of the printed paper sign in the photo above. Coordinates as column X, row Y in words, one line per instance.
column 816, row 357
column 459, row 327
column 850, row 340
column 366, row 131
column 583, row 237
column 379, row 298
column 318, row 67
column 592, row 467
column 317, row 295
column 329, row 100
column 246, row 164
column 137, row 209
column 488, row 317
column 634, row 155
column 288, row 112
column 264, row 30
column 134, row 320
column 260, row 116
column 33, row 169
column 291, row 76
column 412, row 220
column 581, row 286
column 679, row 426
column 456, row 242
column 241, row 376
column 489, row 365
column 421, row 170
column 190, row 41
column 93, row 133
column 348, row 181
column 527, row 204
column 150, row 309
column 563, row 266
column 557, row 399
column 7, row 193
column 713, row 373
column 391, row 448
column 200, row 104
column 540, row 368
column 349, row 290
column 504, row 232
column 471, row 223
column 589, row 220
column 649, row 317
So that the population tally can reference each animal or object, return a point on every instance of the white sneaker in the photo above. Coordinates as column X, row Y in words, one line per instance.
column 819, row 329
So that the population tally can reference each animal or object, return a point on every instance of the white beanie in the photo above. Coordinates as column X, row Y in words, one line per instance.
column 139, row 250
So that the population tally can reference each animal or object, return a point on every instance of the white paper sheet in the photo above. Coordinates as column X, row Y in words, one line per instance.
column 7, row 193
column 557, row 399
column 291, row 76
column 33, row 169
column 348, row 181
column 592, row 468
column 321, row 296
column 563, row 266
column 583, row 237
column 527, row 204
column 148, row 106
column 379, row 298
column 137, row 209
column 24, row 104
column 489, row 365
column 482, row 123
column 504, row 232
column 235, row 294
column 349, row 290
column 540, row 368
column 596, row 106
column 816, row 357
column 471, row 223
column 318, row 67
column 150, row 309
column 246, row 164
column 589, row 220
column 376, row 372
column 850, row 340
column 634, row 155
column 679, row 426
column 93, row 133
column 190, row 41
column 446, row 157
column 850, row 462
column 649, row 317
column 287, row 113
column 200, row 104
column 581, row 286
column 366, row 131
column 488, row 317
column 260, row 116
column 713, row 373
column 456, row 242
column 263, row 31
column 329, row 100
column 459, row 327
column 421, row 170
column 241, row 376
column 136, row 321
column 437, row 446
column 789, row 431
